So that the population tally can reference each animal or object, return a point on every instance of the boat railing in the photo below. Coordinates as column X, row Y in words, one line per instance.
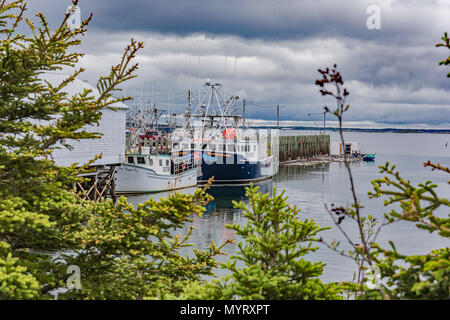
column 183, row 163
column 159, row 145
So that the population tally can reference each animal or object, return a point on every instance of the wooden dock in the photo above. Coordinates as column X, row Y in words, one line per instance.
column 298, row 147
column 98, row 184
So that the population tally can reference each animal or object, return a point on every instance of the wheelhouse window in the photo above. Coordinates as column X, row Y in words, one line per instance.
column 160, row 162
column 130, row 159
column 141, row 160
column 150, row 161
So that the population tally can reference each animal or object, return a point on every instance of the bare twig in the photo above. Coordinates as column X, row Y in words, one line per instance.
column 333, row 77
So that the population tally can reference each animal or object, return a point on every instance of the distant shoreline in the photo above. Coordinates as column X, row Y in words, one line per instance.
column 437, row 131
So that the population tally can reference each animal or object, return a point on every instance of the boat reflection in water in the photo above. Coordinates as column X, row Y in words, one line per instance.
column 222, row 204
column 211, row 226
column 225, row 194
column 220, row 212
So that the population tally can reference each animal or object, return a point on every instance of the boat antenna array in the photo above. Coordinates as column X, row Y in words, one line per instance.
column 212, row 110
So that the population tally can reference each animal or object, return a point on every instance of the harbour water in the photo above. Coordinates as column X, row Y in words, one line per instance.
column 311, row 187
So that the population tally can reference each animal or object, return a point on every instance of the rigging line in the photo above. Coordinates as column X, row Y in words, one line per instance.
column 177, row 96
column 207, row 106
column 178, row 99
column 200, row 102
column 165, row 94
column 198, row 71
column 190, row 67
column 263, row 107
column 309, row 114
column 226, row 92
column 218, row 102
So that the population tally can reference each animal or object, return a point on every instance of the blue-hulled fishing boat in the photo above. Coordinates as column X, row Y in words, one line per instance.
column 221, row 143
column 369, row 157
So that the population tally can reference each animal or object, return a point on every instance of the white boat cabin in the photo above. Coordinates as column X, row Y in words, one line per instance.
column 251, row 144
column 160, row 163
column 247, row 149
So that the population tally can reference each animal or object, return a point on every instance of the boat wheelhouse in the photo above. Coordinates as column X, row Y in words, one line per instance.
column 150, row 165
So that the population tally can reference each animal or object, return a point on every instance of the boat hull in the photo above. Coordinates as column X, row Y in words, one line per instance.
column 237, row 171
column 369, row 157
column 131, row 179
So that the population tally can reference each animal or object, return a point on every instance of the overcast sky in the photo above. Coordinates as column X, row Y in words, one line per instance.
column 268, row 52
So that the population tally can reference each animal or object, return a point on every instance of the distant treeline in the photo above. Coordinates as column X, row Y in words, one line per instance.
column 361, row 129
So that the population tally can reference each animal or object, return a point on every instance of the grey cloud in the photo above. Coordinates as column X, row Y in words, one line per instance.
column 283, row 72
column 264, row 19
column 393, row 73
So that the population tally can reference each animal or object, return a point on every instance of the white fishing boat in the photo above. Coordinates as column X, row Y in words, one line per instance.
column 147, row 172
column 150, row 165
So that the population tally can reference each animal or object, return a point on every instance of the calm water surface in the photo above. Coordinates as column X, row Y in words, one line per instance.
column 310, row 188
